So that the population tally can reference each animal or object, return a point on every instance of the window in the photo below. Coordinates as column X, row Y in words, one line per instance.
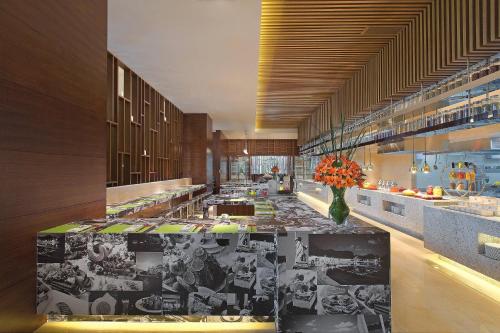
column 263, row 164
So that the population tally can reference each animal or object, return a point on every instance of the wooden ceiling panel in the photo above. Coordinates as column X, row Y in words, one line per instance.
column 441, row 40
column 310, row 48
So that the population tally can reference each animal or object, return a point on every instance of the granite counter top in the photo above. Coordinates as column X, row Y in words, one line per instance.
column 134, row 206
column 289, row 214
column 461, row 237
column 295, row 268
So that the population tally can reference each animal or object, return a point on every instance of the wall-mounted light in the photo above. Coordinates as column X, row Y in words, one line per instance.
column 131, row 117
column 245, row 151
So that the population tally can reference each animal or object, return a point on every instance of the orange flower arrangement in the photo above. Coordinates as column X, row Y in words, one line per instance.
column 275, row 169
column 339, row 172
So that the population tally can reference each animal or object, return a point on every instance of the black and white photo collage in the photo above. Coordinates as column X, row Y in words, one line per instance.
column 225, row 275
column 334, row 282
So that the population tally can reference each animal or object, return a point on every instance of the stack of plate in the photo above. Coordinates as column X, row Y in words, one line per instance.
column 492, row 250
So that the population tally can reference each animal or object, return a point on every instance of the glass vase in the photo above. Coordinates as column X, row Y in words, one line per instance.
column 339, row 210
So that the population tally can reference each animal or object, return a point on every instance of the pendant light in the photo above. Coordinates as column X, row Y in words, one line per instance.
column 364, row 168
column 413, row 168
column 426, row 168
column 370, row 164
column 245, row 149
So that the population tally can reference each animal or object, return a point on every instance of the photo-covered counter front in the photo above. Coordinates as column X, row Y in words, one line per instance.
column 301, row 272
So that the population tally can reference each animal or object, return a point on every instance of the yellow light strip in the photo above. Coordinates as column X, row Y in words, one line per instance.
column 99, row 326
column 465, row 275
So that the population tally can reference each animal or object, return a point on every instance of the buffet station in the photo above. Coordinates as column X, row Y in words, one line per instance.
column 168, row 201
column 430, row 167
column 402, row 209
column 294, row 268
column 472, row 233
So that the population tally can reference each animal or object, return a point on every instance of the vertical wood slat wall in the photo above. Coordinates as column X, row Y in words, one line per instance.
column 144, row 131
column 438, row 43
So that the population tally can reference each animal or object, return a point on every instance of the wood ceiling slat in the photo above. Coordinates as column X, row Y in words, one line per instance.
column 310, row 49
column 318, row 57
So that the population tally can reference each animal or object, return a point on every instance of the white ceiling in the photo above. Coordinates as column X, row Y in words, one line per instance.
column 200, row 54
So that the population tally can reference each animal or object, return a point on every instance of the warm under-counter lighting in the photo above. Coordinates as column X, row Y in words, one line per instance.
column 480, row 282
column 93, row 326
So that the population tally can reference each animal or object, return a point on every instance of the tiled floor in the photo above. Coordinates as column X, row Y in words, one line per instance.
column 425, row 299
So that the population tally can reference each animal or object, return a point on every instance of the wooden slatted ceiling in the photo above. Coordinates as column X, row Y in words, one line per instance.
column 308, row 49
column 438, row 43
column 323, row 57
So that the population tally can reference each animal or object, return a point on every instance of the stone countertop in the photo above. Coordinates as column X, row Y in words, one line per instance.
column 205, row 267
column 291, row 214
column 445, row 199
column 465, row 214
column 134, row 206
column 461, row 236
column 230, row 199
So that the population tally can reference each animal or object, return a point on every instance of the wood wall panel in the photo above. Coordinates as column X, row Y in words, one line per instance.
column 144, row 131
column 217, row 151
column 234, row 147
column 197, row 138
column 52, row 136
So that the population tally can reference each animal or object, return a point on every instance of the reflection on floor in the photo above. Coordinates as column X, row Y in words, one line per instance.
column 426, row 297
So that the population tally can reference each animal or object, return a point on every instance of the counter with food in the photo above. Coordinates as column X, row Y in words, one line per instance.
column 295, row 268
column 185, row 192
column 402, row 209
column 467, row 238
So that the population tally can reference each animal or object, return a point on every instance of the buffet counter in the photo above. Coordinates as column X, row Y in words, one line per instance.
column 294, row 268
column 393, row 209
column 462, row 237
column 154, row 204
